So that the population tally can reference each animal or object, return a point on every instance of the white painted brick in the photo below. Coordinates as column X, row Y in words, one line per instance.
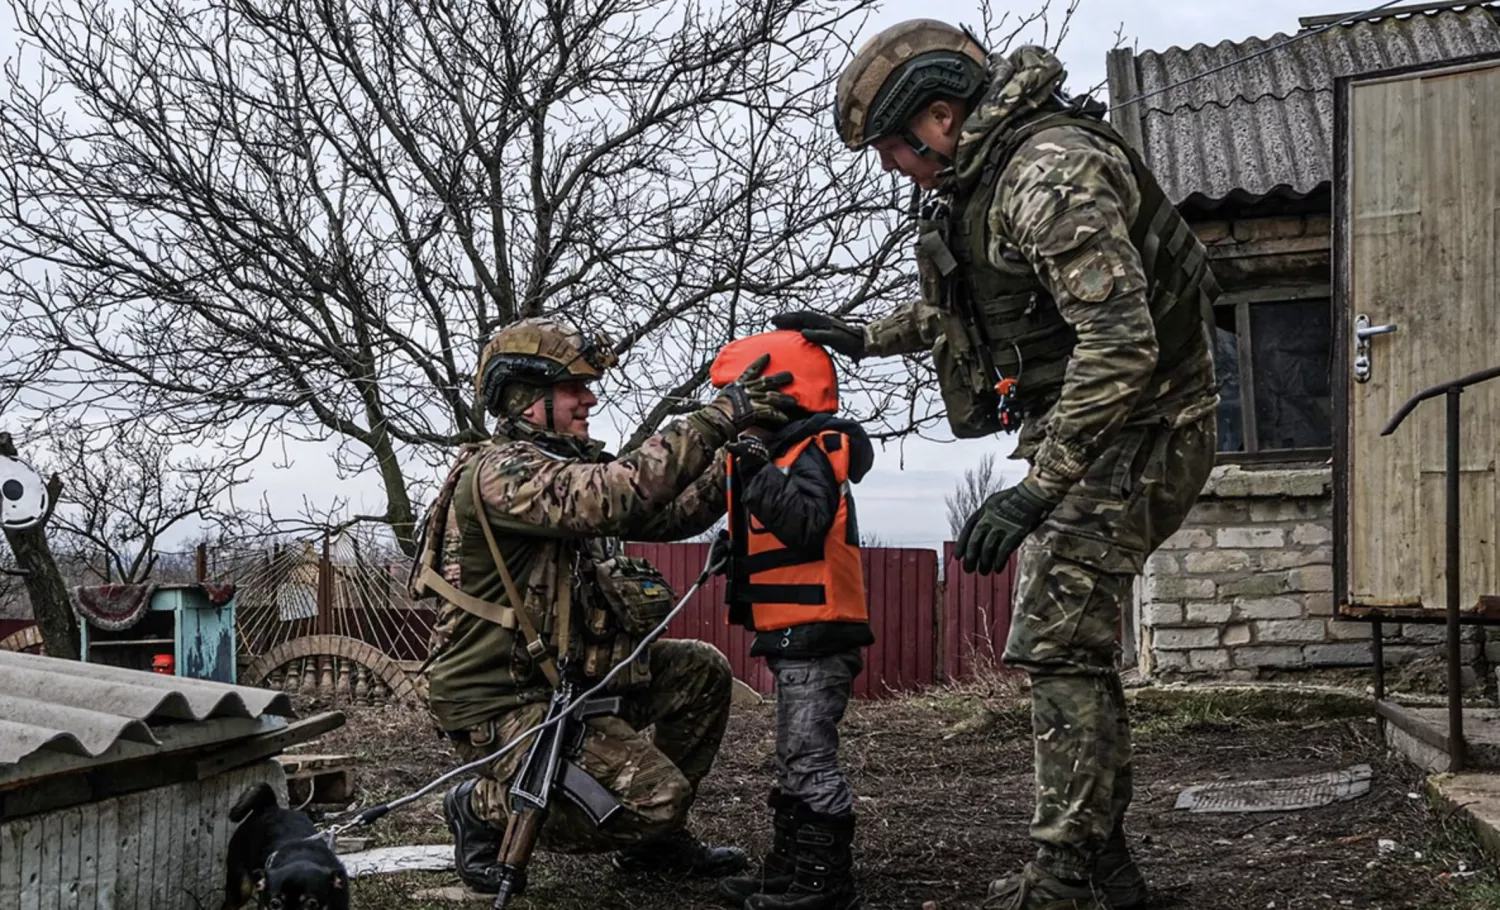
column 1164, row 563
column 1219, row 562
column 1188, row 539
column 1185, row 639
column 1177, row 587
column 1319, row 604
column 1268, row 656
column 1311, row 534
column 1251, row 538
column 1163, row 614
column 1210, row 613
column 1209, row 659
column 1343, row 654
column 1312, row 578
column 1259, row 584
column 1352, row 631
column 1284, row 630
column 1170, row 660
column 1268, row 608
column 1296, row 559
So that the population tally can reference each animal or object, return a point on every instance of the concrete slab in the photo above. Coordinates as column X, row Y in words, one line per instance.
column 1420, row 733
column 1476, row 796
column 385, row 860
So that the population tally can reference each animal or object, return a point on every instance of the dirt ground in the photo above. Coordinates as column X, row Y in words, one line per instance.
column 944, row 791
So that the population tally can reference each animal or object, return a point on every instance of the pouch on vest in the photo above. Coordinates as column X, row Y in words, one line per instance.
column 968, row 393
column 635, row 592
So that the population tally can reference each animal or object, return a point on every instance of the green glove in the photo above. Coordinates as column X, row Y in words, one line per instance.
column 997, row 528
column 753, row 399
column 820, row 328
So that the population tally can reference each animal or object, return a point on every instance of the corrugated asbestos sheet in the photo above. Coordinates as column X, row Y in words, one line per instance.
column 1265, row 127
column 84, row 709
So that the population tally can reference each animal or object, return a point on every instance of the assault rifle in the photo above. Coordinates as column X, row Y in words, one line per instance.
column 548, row 765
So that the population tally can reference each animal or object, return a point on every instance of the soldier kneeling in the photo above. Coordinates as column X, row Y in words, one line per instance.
column 521, row 548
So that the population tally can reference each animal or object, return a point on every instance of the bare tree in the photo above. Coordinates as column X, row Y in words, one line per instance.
column 126, row 492
column 300, row 220
column 977, row 485
column 37, row 568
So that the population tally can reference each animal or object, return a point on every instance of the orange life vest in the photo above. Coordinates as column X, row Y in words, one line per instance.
column 788, row 588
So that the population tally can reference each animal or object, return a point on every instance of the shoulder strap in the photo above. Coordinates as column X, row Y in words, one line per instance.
column 504, row 617
column 535, row 646
column 835, row 445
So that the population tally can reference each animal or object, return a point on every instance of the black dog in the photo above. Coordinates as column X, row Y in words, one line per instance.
column 277, row 855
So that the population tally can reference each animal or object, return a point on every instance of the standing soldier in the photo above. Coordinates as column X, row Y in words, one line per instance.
column 519, row 550
column 1061, row 292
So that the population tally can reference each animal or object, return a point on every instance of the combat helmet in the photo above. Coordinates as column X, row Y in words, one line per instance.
column 899, row 72
column 538, row 353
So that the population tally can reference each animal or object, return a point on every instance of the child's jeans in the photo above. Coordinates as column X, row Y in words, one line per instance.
column 811, row 695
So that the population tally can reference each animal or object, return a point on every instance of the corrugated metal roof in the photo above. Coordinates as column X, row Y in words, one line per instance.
column 1265, row 127
column 84, row 709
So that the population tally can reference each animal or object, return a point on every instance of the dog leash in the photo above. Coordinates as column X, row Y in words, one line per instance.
column 375, row 813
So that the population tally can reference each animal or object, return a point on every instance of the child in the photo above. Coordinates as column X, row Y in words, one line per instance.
column 795, row 579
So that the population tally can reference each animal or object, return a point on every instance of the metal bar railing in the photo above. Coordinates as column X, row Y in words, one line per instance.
column 1452, row 390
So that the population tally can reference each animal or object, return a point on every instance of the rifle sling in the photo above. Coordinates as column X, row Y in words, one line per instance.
column 535, row 646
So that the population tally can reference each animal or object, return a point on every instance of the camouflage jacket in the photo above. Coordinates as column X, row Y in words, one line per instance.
column 555, row 506
column 1063, row 188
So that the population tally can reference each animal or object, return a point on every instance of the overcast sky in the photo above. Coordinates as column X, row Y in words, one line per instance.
column 901, row 501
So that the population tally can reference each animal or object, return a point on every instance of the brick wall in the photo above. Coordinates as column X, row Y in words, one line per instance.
column 1246, row 585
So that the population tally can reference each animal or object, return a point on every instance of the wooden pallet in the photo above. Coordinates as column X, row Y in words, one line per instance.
column 326, row 778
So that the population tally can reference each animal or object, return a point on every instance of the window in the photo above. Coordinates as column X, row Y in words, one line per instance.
column 1274, row 355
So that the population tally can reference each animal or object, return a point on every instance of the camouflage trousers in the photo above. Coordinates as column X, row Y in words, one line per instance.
column 1076, row 574
column 655, row 776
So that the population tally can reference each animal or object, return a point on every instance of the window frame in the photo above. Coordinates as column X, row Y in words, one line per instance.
column 1239, row 303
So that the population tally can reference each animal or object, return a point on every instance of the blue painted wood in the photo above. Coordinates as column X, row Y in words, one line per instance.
column 204, row 644
column 205, row 635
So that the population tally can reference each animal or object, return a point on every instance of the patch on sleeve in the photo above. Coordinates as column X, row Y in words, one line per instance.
column 1090, row 277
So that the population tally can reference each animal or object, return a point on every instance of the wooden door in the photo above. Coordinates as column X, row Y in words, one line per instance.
column 1417, row 200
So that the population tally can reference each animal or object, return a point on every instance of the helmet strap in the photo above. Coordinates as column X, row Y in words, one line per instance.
column 925, row 150
column 547, row 406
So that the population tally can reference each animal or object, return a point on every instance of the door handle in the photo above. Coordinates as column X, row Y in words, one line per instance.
column 1363, row 332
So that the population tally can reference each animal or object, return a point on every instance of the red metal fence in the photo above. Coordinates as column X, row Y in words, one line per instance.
column 926, row 631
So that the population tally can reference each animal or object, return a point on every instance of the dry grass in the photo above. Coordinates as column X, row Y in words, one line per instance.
column 944, row 789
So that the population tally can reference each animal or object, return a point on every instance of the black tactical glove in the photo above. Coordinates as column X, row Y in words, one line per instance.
column 997, row 528
column 750, row 455
column 829, row 331
column 718, row 554
column 753, row 400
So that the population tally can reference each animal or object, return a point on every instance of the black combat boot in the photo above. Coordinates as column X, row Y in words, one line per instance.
column 680, row 854
column 1116, row 874
column 824, row 876
column 476, row 843
column 776, row 869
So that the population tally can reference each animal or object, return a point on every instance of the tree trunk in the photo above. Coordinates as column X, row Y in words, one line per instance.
column 44, row 583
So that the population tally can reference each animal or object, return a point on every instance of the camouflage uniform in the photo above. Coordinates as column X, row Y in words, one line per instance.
column 1098, row 297
column 521, row 548
column 551, row 482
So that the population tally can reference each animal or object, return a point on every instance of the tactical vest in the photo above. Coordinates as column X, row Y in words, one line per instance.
column 787, row 587
column 1005, row 325
column 604, row 604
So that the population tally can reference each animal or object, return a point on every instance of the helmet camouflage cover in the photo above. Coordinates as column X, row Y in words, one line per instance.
column 540, row 351
column 900, row 71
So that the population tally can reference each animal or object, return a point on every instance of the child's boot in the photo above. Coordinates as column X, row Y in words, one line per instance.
column 776, row 870
column 824, row 876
